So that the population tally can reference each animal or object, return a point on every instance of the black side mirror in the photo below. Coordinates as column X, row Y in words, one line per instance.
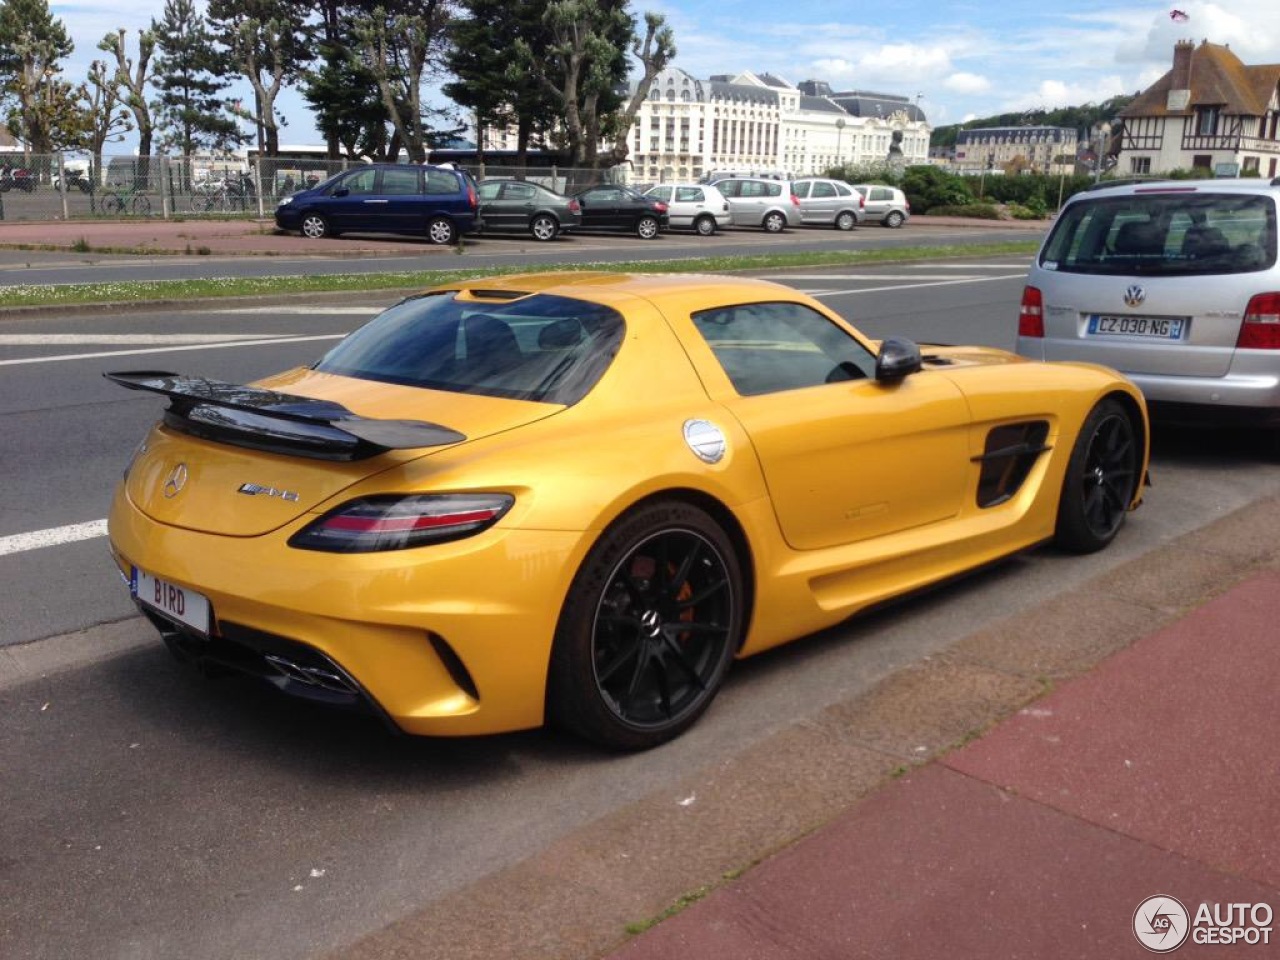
column 341, row 192
column 898, row 358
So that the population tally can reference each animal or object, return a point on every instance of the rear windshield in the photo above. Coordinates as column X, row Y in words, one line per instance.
column 1164, row 233
column 541, row 347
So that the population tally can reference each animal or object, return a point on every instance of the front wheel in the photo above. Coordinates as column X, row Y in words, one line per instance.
column 846, row 221
column 441, row 231
column 647, row 228
column 1102, row 476
column 141, row 206
column 895, row 219
column 774, row 222
column 647, row 631
column 315, row 227
column 705, row 226
column 544, row 227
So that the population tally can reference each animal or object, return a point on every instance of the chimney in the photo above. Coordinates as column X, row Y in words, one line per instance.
column 1179, row 97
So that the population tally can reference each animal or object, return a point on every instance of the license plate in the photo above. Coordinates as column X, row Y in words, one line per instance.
column 1157, row 328
column 170, row 600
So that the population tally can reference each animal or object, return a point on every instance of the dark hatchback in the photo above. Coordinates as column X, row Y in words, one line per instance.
column 607, row 207
column 437, row 203
column 518, row 206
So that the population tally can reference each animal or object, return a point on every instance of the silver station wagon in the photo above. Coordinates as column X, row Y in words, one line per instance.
column 1173, row 283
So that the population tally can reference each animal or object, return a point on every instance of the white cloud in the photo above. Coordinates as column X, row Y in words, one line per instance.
column 967, row 83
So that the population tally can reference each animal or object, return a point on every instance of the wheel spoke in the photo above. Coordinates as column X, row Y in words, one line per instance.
column 682, row 660
column 624, row 656
column 681, row 577
column 704, row 594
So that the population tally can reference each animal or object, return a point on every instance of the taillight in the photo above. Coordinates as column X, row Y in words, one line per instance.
column 659, row 206
column 1261, row 327
column 862, row 201
column 575, row 206
column 795, row 201
column 1031, row 313
column 396, row 523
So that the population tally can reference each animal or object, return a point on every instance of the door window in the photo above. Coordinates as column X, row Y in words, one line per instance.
column 400, row 182
column 823, row 190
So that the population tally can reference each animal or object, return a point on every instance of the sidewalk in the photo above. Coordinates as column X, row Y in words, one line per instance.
column 1151, row 767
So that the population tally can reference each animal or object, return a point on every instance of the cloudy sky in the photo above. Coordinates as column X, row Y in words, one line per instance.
column 966, row 60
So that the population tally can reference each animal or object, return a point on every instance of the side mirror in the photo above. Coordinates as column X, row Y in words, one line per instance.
column 341, row 192
column 898, row 358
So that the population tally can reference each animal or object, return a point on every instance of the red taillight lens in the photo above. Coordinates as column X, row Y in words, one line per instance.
column 1031, row 313
column 472, row 199
column 659, row 206
column 396, row 523
column 575, row 206
column 1261, row 327
column 795, row 201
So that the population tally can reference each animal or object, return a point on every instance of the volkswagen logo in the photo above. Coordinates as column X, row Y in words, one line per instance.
column 176, row 480
column 1134, row 296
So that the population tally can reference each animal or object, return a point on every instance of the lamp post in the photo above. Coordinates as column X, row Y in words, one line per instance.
column 839, row 132
column 1101, row 132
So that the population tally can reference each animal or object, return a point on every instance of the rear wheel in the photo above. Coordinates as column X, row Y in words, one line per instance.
column 1102, row 476
column 846, row 221
column 650, row 624
column 894, row 219
column 315, row 227
column 544, row 227
column 441, row 231
column 705, row 226
column 774, row 222
column 647, row 228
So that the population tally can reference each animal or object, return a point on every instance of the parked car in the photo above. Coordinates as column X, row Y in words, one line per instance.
column 518, row 206
column 693, row 206
column 438, row 203
column 609, row 207
column 828, row 203
column 755, row 202
column 1175, row 284
column 627, row 482
column 886, row 206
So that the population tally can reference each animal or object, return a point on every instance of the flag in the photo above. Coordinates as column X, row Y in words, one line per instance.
column 1177, row 16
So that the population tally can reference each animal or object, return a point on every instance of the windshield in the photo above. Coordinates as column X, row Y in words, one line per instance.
column 1166, row 232
column 541, row 347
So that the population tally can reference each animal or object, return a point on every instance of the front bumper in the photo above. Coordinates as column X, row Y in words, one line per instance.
column 450, row 639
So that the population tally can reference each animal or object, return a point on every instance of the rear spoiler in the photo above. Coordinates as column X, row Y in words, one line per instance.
column 279, row 422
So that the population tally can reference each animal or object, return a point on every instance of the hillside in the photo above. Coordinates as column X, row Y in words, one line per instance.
column 1081, row 118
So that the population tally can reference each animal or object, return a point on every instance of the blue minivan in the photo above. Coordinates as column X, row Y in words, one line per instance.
column 438, row 203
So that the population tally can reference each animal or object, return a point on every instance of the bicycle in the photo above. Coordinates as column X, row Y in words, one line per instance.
column 118, row 201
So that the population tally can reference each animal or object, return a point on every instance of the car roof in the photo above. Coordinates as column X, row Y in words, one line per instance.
column 1217, row 185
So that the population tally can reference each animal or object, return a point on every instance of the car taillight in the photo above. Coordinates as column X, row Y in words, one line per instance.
column 1261, row 327
column 472, row 199
column 659, row 206
column 575, row 206
column 1031, row 313
column 395, row 523
column 795, row 201
column 862, row 201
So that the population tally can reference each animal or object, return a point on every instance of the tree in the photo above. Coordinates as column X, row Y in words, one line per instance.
column 189, row 76
column 106, row 118
column 399, row 49
column 31, row 44
column 133, row 77
column 267, row 43
column 654, row 53
column 347, row 104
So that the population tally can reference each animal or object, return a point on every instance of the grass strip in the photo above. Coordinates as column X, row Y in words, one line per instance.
column 26, row 295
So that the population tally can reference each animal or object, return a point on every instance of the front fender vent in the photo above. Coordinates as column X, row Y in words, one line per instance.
column 1011, row 451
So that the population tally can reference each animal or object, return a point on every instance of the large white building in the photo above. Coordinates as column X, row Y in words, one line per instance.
column 761, row 123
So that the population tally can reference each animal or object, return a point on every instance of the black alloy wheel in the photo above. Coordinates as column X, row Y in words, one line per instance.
column 1102, row 476
column 648, row 629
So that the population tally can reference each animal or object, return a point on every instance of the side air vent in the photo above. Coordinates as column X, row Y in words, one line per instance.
column 1010, row 453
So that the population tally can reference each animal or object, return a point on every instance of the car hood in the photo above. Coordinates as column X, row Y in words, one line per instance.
column 217, row 487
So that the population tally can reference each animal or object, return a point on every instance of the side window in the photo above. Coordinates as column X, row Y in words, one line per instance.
column 518, row 191
column 801, row 188
column 823, row 190
column 400, row 182
column 881, row 193
column 441, row 182
column 489, row 190
column 730, row 188
column 660, row 193
column 843, row 189
column 689, row 194
column 771, row 189
column 771, row 347
column 359, row 183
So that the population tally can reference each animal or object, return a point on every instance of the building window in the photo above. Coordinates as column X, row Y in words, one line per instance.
column 1202, row 161
column 1139, row 164
column 1206, row 121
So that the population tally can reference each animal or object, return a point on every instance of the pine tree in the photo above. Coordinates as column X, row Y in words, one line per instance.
column 189, row 75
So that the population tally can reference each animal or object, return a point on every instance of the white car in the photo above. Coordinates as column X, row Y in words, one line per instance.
column 693, row 206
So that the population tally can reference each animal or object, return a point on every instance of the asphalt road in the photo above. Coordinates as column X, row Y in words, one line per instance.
column 146, row 812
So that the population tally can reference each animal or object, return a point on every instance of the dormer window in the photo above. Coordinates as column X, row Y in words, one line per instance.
column 1207, row 121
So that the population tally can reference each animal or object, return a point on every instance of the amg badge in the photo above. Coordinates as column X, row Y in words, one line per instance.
column 257, row 490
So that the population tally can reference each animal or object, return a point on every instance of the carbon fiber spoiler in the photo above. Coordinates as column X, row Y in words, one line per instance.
column 279, row 422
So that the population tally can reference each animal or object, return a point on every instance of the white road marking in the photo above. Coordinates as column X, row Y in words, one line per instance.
column 198, row 346
column 54, row 536
column 70, row 339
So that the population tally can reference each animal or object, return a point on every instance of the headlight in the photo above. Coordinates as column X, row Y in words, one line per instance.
column 395, row 523
column 284, row 203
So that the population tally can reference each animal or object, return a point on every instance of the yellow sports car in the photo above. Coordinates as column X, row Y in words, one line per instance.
column 578, row 496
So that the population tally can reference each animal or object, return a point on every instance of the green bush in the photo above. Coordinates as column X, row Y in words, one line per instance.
column 927, row 187
column 978, row 211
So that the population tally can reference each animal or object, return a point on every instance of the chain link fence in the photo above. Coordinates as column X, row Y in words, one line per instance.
column 72, row 186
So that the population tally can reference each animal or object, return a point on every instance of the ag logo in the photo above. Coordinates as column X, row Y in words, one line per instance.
column 1161, row 924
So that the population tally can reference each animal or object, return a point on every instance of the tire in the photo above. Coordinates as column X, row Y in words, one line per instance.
column 544, row 227
column 315, row 226
column 1102, row 476
column 846, row 221
column 774, row 222
column 648, row 628
column 140, row 206
column 894, row 219
column 112, row 205
column 647, row 228
column 705, row 226
column 441, row 231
